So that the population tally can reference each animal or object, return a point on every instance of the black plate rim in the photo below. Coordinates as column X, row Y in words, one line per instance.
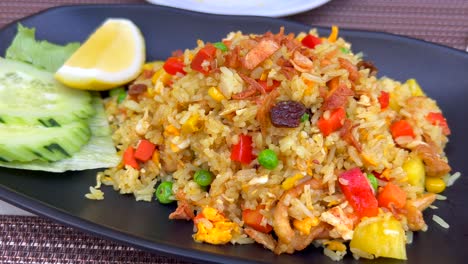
column 37, row 207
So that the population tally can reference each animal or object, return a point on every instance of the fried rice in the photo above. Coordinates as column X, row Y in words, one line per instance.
column 313, row 102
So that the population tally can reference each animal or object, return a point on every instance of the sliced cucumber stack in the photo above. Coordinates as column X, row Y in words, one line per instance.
column 40, row 119
column 30, row 96
column 27, row 143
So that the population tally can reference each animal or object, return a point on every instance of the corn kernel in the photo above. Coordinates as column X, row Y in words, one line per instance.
column 414, row 88
column 155, row 157
column 174, row 148
column 214, row 93
column 393, row 102
column 333, row 34
column 192, row 124
column 305, row 224
column 335, row 245
column 435, row 185
column 171, row 130
column 264, row 76
column 161, row 75
column 289, row 182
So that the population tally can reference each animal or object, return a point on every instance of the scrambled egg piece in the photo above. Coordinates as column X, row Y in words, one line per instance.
column 214, row 228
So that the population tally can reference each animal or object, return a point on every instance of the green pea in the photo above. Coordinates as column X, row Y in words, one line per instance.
column 203, row 178
column 305, row 117
column 373, row 181
column 164, row 192
column 268, row 159
column 221, row 46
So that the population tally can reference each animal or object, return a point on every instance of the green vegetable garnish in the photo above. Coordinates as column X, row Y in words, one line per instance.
column 305, row 117
column 118, row 92
column 345, row 50
column 221, row 46
column 268, row 159
column 164, row 192
column 373, row 181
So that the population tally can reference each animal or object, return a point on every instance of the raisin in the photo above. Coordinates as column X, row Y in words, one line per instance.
column 287, row 114
column 368, row 65
column 136, row 89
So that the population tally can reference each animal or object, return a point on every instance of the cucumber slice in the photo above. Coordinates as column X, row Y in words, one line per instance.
column 30, row 96
column 28, row 143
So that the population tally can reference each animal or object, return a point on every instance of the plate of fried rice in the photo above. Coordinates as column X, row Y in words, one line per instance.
column 249, row 139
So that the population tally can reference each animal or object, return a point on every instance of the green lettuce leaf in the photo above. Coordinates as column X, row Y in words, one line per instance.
column 99, row 152
column 41, row 54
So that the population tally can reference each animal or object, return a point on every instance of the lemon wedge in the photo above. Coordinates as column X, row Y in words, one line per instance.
column 113, row 55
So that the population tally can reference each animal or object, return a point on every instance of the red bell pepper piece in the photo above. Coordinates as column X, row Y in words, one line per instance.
column 401, row 128
column 253, row 218
column 393, row 195
column 129, row 158
column 439, row 120
column 207, row 53
column 384, row 100
column 267, row 88
column 311, row 41
column 173, row 65
column 145, row 150
column 242, row 151
column 358, row 192
column 333, row 123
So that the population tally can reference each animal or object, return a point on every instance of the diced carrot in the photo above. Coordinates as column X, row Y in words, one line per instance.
column 401, row 128
column 129, row 158
column 384, row 100
column 439, row 120
column 253, row 218
column 333, row 123
column 393, row 195
column 144, row 150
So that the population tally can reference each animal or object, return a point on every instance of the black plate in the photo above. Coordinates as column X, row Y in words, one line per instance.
column 442, row 72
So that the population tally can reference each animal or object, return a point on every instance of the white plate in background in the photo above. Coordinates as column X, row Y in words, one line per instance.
column 271, row 8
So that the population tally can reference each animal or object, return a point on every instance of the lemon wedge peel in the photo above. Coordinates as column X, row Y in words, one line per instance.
column 93, row 78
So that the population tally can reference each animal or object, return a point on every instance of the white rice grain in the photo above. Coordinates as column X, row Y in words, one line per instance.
column 440, row 221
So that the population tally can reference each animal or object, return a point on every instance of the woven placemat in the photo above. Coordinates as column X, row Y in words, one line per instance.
column 26, row 239
column 33, row 239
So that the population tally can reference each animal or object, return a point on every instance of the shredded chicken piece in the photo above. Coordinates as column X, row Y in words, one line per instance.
column 266, row 240
column 299, row 241
column 259, row 53
column 183, row 211
column 300, row 62
column 434, row 164
column 413, row 211
column 281, row 221
column 352, row 69
column 423, row 202
column 347, row 135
